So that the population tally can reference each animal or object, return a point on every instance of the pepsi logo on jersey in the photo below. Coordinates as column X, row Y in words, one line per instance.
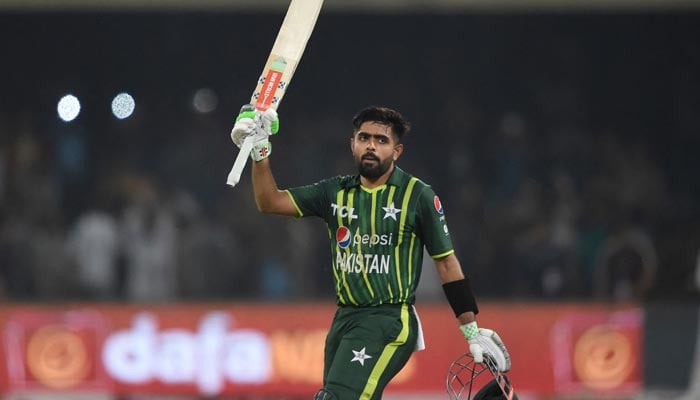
column 344, row 237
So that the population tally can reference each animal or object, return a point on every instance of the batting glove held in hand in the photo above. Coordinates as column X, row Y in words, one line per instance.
column 485, row 341
column 244, row 127
column 258, row 126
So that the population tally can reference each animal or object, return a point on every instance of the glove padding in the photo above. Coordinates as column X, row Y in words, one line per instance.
column 486, row 341
column 259, row 126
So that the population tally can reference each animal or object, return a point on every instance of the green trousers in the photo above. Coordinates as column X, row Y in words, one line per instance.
column 366, row 347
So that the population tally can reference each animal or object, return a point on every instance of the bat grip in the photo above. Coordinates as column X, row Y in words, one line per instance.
column 235, row 175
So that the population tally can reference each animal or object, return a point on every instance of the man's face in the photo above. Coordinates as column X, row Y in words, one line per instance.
column 375, row 149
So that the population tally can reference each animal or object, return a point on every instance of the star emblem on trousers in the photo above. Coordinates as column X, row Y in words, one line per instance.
column 360, row 356
column 390, row 212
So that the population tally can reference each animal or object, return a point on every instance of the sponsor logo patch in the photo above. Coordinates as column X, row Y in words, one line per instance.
column 343, row 211
column 343, row 237
column 437, row 204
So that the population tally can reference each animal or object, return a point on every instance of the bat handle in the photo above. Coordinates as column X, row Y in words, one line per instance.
column 247, row 107
column 235, row 175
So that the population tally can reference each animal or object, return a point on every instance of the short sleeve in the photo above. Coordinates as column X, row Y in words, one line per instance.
column 311, row 200
column 433, row 224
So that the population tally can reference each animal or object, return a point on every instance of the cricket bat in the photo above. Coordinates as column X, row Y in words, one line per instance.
column 279, row 68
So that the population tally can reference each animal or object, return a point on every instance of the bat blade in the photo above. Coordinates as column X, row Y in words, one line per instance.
column 280, row 66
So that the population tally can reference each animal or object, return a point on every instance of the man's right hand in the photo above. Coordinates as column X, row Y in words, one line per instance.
column 258, row 125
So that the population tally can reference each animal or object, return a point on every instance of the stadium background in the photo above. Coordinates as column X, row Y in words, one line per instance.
column 561, row 139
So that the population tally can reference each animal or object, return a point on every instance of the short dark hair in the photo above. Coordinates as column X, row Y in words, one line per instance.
column 385, row 116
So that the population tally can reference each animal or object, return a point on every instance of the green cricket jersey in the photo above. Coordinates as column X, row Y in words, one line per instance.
column 377, row 235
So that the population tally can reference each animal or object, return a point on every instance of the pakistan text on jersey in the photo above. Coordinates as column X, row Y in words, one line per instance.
column 363, row 263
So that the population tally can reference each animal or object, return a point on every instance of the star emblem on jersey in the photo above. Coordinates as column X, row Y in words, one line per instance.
column 390, row 212
column 360, row 356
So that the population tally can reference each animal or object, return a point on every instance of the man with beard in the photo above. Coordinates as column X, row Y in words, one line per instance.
column 379, row 221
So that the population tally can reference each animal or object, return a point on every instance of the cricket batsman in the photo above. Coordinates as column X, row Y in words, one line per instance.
column 379, row 221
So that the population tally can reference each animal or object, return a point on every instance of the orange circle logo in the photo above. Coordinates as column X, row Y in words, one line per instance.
column 603, row 358
column 57, row 357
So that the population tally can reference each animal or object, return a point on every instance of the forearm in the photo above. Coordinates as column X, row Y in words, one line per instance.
column 449, row 269
column 457, row 288
column 459, row 294
column 264, row 185
column 268, row 198
column 258, row 128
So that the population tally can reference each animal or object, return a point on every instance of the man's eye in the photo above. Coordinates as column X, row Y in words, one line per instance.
column 383, row 140
column 362, row 137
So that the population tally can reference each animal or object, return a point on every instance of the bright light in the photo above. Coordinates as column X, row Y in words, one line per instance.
column 68, row 107
column 205, row 100
column 123, row 105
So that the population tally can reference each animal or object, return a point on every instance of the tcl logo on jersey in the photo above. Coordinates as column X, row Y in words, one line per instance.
column 342, row 236
column 343, row 211
column 437, row 204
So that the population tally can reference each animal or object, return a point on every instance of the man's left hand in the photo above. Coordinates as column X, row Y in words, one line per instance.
column 486, row 341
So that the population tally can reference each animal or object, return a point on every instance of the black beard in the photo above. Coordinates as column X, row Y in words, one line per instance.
column 374, row 171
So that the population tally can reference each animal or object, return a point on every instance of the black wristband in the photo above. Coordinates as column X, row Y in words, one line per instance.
column 459, row 295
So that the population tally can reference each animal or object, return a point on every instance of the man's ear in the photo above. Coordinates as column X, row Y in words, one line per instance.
column 352, row 143
column 398, row 149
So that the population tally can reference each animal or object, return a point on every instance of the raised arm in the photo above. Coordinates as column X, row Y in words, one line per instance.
column 268, row 198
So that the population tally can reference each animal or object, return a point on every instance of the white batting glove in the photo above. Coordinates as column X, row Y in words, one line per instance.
column 270, row 121
column 269, row 125
column 486, row 341
column 259, row 126
column 243, row 128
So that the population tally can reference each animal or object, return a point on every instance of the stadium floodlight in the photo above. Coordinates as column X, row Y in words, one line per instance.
column 123, row 105
column 68, row 108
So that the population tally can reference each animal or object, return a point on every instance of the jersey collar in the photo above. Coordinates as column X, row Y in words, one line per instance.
column 397, row 177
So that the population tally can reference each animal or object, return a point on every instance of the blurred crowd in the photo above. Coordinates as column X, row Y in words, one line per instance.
column 558, row 179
